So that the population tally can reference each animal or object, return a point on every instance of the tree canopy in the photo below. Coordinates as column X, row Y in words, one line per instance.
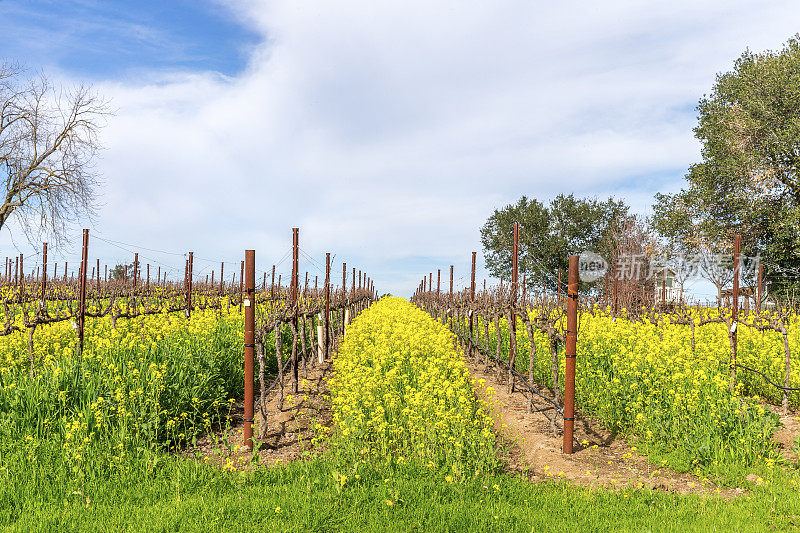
column 548, row 234
column 748, row 180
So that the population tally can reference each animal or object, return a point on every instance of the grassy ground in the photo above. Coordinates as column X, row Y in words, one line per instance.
column 184, row 495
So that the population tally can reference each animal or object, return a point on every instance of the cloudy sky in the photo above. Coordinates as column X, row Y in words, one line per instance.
column 388, row 132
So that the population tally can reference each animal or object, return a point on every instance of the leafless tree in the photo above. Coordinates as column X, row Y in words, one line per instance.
column 48, row 143
column 633, row 248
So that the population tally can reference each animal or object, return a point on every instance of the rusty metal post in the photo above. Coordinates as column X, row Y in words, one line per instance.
column 82, row 308
column 346, row 313
column 135, row 271
column 295, row 245
column 326, row 324
column 241, row 286
column 353, row 289
column 147, row 285
column 44, row 274
column 512, row 326
column 737, row 243
column 249, row 347
column 222, row 276
column 272, row 286
column 515, row 265
column 294, row 295
column 570, row 352
column 472, row 300
column 616, row 289
column 189, row 285
column 760, row 283
column 451, row 284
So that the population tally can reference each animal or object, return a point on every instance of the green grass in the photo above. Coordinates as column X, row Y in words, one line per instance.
column 184, row 495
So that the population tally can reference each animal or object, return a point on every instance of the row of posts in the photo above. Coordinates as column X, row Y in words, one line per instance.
column 570, row 341
column 323, row 330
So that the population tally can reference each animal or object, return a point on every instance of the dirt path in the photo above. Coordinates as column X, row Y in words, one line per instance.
column 291, row 430
column 786, row 435
column 600, row 458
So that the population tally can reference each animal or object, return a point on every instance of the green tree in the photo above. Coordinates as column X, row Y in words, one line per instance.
column 548, row 234
column 749, row 178
column 118, row 272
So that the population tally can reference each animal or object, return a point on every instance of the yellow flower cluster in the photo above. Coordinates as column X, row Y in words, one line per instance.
column 402, row 391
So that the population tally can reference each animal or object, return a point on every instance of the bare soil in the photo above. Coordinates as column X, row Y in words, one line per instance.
column 295, row 428
column 600, row 458
column 787, row 433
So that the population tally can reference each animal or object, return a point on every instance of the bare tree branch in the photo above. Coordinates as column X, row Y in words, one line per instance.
column 48, row 144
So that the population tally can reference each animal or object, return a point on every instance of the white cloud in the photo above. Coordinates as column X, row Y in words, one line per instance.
column 389, row 131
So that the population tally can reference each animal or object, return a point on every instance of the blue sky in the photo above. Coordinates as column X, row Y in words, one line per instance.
column 388, row 132
column 113, row 39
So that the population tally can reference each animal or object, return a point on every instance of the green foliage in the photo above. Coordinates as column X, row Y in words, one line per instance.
column 548, row 234
column 118, row 272
column 749, row 178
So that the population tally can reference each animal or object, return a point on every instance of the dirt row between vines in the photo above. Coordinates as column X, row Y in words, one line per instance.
column 293, row 428
column 600, row 458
